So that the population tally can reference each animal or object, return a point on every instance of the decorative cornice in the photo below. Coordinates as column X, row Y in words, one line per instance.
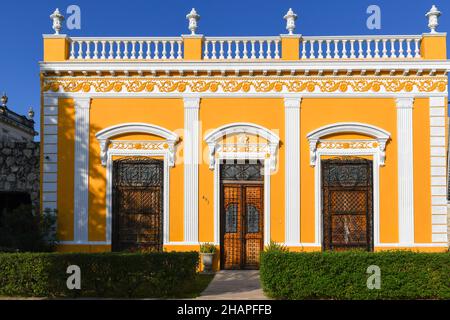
column 246, row 85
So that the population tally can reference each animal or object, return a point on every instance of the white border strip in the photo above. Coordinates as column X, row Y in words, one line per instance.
column 50, row 152
column 438, row 148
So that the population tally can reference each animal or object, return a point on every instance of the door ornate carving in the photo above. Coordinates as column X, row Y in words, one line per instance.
column 138, row 204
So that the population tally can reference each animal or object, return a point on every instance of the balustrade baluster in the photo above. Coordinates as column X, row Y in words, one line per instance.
column 103, row 56
column 417, row 48
column 72, row 49
column 245, row 53
column 311, row 50
column 328, row 49
column 261, row 50
column 156, row 52
column 400, row 47
column 377, row 50
column 304, row 42
column 179, row 52
column 221, row 53
column 408, row 48
column 319, row 51
column 344, row 49
column 141, row 50
column 229, row 50
column 253, row 53
column 277, row 50
column 336, row 49
column 269, row 50
column 360, row 49
column 80, row 50
column 237, row 53
column 206, row 50
column 352, row 49
column 393, row 54
column 369, row 51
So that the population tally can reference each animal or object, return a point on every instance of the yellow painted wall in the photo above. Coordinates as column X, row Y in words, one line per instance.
column 269, row 113
column 215, row 113
column 166, row 113
column 316, row 113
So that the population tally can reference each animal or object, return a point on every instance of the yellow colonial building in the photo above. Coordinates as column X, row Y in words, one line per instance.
column 318, row 143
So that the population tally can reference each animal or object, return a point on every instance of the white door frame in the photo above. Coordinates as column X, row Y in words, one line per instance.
column 217, row 191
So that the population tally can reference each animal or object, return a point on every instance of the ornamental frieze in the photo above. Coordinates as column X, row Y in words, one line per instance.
column 347, row 145
column 132, row 145
column 242, row 85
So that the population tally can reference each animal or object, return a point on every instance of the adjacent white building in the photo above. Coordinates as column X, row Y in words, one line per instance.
column 15, row 127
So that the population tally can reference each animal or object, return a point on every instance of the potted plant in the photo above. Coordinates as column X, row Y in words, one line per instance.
column 207, row 251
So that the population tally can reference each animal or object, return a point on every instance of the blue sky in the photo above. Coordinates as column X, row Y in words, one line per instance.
column 22, row 24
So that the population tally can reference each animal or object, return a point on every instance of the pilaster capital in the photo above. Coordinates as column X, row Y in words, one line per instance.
column 82, row 103
column 191, row 102
column 292, row 102
column 405, row 103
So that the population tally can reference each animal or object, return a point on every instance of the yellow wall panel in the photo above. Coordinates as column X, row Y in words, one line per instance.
column 316, row 113
column 215, row 113
column 166, row 113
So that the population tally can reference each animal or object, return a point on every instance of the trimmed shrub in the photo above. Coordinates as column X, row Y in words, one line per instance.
column 102, row 275
column 23, row 229
column 343, row 275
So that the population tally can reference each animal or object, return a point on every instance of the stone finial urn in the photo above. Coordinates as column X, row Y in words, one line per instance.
column 207, row 252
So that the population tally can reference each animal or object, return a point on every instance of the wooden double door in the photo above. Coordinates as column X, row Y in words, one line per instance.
column 347, row 204
column 242, row 216
column 137, row 220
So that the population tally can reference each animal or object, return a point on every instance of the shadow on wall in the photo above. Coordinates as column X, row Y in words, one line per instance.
column 66, row 177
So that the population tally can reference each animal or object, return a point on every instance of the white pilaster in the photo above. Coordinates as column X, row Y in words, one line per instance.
column 405, row 170
column 191, row 162
column 292, row 174
column 438, row 170
column 50, row 152
column 81, row 178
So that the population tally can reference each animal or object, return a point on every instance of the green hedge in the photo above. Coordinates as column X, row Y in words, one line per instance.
column 342, row 275
column 102, row 274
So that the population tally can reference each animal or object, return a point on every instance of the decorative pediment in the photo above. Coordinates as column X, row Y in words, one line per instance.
column 105, row 136
column 243, row 148
column 380, row 138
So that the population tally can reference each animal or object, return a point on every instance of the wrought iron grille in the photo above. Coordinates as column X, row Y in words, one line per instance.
column 252, row 219
column 347, row 200
column 231, row 213
column 248, row 171
column 138, row 204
